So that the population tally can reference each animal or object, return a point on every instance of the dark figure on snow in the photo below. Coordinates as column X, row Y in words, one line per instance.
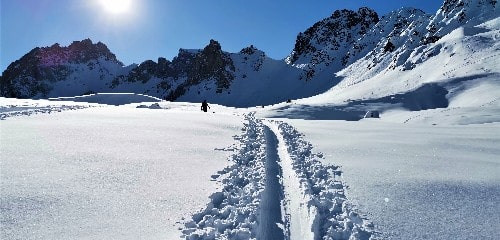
column 204, row 106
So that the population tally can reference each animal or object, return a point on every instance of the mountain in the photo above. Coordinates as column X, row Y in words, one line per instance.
column 419, row 71
column 45, row 71
column 340, row 51
column 327, row 43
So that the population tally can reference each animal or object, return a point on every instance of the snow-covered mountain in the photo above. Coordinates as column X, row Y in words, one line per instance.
column 61, row 71
column 449, row 60
column 344, row 49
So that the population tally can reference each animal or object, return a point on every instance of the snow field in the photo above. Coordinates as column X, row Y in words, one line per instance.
column 306, row 202
column 416, row 181
column 108, row 172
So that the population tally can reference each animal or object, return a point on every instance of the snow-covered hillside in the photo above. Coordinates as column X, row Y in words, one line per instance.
column 454, row 79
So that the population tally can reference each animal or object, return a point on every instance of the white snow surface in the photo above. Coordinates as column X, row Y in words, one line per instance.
column 159, row 170
column 108, row 172
column 416, row 181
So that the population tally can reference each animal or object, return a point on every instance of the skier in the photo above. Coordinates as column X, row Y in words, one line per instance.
column 204, row 106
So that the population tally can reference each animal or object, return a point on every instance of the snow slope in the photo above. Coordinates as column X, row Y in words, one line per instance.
column 278, row 189
column 459, row 78
column 11, row 107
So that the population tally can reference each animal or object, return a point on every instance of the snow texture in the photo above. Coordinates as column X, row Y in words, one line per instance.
column 416, row 180
column 108, row 172
column 322, row 194
column 14, row 107
column 312, row 201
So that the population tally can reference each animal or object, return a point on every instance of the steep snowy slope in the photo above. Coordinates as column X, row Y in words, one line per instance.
column 460, row 69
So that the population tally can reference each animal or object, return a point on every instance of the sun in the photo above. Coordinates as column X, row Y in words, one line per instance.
column 116, row 6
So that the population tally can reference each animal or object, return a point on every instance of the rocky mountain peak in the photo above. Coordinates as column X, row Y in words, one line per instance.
column 212, row 47
column 77, row 52
column 342, row 27
column 213, row 63
column 250, row 50
column 52, row 64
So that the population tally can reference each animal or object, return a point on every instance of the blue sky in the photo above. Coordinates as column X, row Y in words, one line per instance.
column 158, row 28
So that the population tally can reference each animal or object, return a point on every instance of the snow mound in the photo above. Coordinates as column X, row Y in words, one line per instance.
column 152, row 106
column 110, row 98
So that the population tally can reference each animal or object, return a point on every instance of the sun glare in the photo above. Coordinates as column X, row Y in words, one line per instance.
column 116, row 6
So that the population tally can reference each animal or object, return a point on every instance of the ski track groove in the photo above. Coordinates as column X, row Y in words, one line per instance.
column 276, row 189
column 271, row 224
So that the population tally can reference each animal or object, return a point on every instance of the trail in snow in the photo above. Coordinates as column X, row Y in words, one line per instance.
column 278, row 189
column 270, row 209
column 297, row 216
column 322, row 199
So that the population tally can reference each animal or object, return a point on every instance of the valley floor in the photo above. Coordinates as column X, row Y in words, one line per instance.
column 123, row 172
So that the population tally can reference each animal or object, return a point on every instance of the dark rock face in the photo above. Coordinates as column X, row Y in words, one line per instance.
column 212, row 63
column 461, row 6
column 31, row 75
column 189, row 68
column 341, row 28
column 249, row 50
column 389, row 47
column 327, row 43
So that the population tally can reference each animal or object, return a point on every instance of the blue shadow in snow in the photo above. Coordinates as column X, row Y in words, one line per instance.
column 428, row 96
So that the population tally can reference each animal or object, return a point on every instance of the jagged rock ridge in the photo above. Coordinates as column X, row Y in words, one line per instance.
column 33, row 73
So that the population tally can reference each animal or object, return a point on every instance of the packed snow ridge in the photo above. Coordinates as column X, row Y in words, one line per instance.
column 277, row 188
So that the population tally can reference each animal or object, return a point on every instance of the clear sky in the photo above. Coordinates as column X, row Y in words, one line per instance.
column 148, row 29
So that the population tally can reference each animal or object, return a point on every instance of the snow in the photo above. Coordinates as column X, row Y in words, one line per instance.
column 416, row 181
column 110, row 98
column 158, row 169
column 109, row 172
column 255, row 73
column 18, row 107
column 324, row 207
column 131, row 166
column 277, row 189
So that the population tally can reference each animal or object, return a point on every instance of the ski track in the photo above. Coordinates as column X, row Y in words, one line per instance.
column 271, row 223
column 277, row 188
